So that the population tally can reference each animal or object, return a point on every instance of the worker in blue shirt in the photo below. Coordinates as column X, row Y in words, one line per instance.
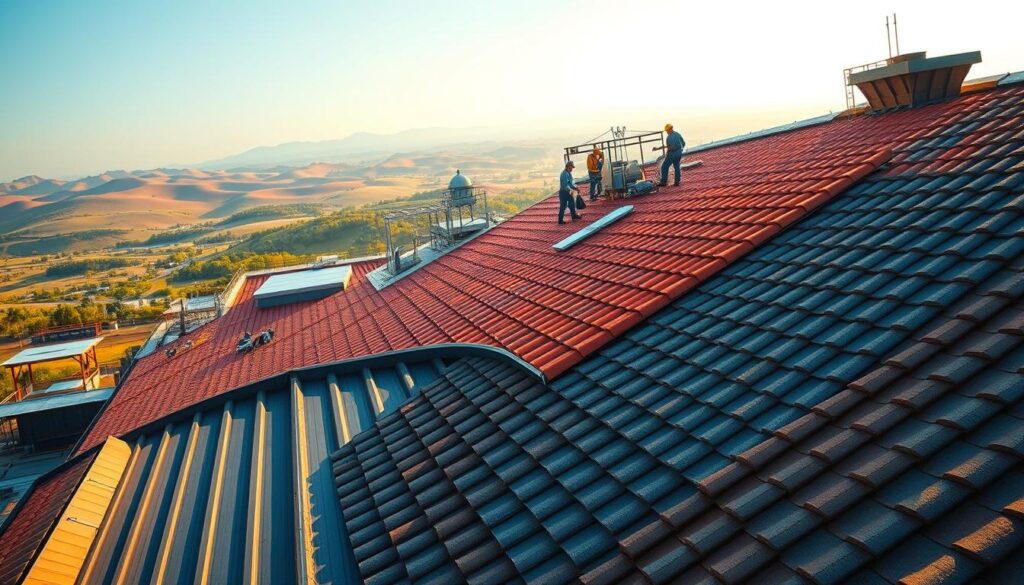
column 565, row 198
column 674, row 145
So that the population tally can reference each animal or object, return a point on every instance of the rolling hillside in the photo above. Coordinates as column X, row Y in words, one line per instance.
column 35, row 208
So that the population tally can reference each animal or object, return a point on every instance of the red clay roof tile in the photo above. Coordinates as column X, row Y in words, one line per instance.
column 509, row 288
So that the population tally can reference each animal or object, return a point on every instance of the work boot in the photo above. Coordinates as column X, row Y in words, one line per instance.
column 578, row 216
column 560, row 222
column 676, row 184
column 663, row 184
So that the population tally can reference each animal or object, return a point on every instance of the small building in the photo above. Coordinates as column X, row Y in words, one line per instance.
column 82, row 352
column 56, row 415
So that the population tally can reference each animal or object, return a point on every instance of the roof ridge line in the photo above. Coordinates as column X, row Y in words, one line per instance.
column 765, row 132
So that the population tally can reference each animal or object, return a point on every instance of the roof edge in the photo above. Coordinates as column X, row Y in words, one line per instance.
column 72, row 536
column 772, row 131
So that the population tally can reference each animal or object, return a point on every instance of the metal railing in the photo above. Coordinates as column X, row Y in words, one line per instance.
column 851, row 100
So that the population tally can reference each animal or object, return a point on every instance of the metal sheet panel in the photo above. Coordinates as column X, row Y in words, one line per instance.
column 45, row 403
column 65, row 550
column 302, row 285
column 53, row 351
column 242, row 492
column 608, row 219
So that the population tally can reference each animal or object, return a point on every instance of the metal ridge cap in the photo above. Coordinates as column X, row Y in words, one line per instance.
column 770, row 131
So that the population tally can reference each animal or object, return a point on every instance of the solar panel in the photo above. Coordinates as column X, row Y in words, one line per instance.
column 304, row 285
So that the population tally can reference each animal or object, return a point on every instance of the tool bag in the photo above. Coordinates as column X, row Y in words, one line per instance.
column 641, row 188
column 580, row 203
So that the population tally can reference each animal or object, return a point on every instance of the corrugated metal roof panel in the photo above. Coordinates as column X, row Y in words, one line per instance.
column 241, row 491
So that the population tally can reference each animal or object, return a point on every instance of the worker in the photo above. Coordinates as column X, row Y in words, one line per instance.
column 595, row 161
column 674, row 145
column 565, row 198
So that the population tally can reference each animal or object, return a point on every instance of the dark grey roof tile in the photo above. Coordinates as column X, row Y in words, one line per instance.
column 739, row 559
column 782, row 524
column 874, row 527
column 922, row 559
column 874, row 465
column 666, row 560
column 749, row 497
column 824, row 558
column 918, row 438
column 829, row 494
column 777, row 574
column 923, row 496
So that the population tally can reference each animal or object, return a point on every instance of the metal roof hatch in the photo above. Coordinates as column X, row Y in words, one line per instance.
column 303, row 285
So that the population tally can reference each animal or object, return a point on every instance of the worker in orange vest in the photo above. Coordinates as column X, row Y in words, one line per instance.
column 595, row 161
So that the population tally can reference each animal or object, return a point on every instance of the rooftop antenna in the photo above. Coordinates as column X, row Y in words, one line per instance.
column 888, row 35
column 896, row 29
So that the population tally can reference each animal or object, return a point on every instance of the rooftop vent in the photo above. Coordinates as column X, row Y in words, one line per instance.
column 908, row 79
column 911, row 79
column 304, row 285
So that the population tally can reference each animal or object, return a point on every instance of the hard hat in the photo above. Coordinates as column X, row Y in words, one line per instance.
column 597, row 148
column 570, row 164
column 668, row 127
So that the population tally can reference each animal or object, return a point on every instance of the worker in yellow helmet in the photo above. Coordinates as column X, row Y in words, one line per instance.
column 595, row 161
column 674, row 145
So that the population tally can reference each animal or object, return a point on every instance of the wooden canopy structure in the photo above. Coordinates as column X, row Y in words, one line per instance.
column 82, row 351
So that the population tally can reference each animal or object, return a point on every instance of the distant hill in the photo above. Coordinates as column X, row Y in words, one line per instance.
column 35, row 207
column 364, row 145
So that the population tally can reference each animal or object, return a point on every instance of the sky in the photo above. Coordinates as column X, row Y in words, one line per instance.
column 117, row 84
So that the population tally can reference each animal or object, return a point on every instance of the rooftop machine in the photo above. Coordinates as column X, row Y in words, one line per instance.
column 620, row 172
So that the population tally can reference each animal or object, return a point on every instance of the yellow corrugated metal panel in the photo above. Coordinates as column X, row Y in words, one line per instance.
column 65, row 550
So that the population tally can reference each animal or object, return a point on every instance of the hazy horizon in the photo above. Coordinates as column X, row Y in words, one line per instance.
column 120, row 85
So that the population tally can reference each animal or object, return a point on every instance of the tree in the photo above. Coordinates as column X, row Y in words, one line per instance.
column 65, row 315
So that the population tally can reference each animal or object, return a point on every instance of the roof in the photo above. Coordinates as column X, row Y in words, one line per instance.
column 52, row 351
column 509, row 288
column 761, row 427
column 231, row 464
column 45, row 403
column 843, row 404
column 28, row 526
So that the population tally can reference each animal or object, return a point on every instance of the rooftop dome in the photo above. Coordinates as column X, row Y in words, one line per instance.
column 460, row 181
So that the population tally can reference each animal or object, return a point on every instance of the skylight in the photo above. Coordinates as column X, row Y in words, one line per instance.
column 593, row 228
column 304, row 285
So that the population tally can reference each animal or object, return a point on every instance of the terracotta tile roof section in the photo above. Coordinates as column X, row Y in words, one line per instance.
column 241, row 490
column 843, row 404
column 510, row 289
column 26, row 529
